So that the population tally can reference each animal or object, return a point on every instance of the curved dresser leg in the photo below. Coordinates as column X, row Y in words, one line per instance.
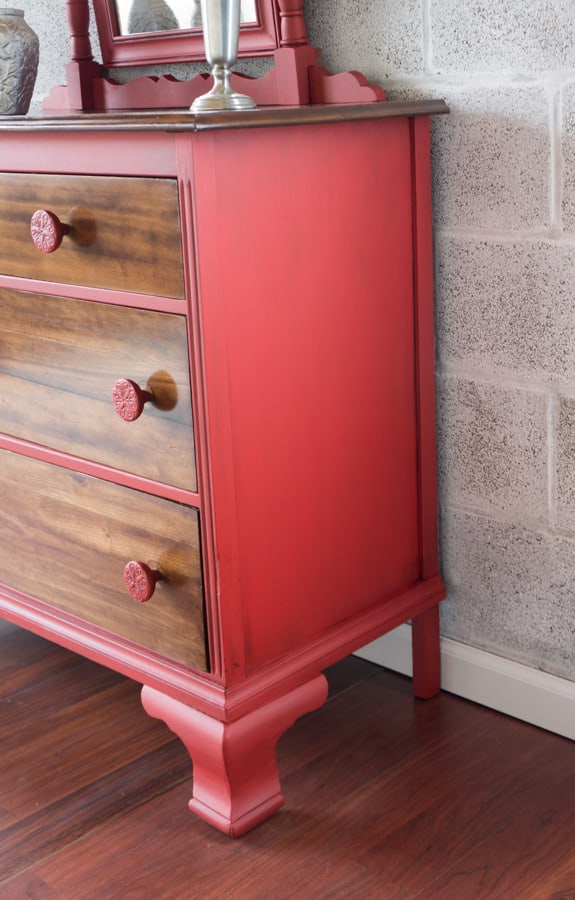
column 235, row 777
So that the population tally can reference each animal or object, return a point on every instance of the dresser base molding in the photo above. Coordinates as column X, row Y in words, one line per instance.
column 420, row 603
column 235, row 782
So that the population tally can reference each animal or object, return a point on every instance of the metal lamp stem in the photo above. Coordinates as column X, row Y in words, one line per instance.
column 221, row 26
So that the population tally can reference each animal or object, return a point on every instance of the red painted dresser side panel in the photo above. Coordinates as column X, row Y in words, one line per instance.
column 306, row 305
column 425, row 372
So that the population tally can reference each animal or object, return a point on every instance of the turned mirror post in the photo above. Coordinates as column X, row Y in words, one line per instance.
column 82, row 69
column 79, row 23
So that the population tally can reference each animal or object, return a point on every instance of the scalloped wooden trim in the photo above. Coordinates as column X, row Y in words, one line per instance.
column 295, row 80
column 150, row 92
column 147, row 92
column 343, row 87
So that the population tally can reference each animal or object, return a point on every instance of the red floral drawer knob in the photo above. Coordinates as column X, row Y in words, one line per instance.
column 47, row 230
column 140, row 580
column 129, row 399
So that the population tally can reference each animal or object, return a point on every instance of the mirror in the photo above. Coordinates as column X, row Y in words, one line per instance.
column 151, row 32
column 140, row 16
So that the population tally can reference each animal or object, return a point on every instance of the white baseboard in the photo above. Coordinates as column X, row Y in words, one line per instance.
column 509, row 687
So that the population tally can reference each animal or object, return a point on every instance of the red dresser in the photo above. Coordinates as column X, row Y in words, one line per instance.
column 217, row 460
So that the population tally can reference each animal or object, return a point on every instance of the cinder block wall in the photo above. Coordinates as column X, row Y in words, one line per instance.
column 504, row 200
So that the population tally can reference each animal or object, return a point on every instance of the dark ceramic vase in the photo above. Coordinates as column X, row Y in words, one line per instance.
column 19, row 54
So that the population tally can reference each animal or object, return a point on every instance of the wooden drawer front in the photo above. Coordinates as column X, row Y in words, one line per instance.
column 65, row 539
column 124, row 232
column 59, row 362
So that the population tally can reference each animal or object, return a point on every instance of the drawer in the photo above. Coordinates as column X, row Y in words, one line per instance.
column 124, row 232
column 65, row 539
column 59, row 362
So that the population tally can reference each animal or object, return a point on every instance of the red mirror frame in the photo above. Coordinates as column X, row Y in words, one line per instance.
column 275, row 18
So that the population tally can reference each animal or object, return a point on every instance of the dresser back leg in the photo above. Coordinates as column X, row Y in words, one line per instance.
column 425, row 652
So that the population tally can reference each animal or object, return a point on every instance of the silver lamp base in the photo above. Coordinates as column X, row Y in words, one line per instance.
column 221, row 27
column 221, row 96
column 216, row 103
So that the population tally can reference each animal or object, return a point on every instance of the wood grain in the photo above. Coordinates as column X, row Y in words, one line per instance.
column 65, row 539
column 387, row 797
column 124, row 232
column 59, row 361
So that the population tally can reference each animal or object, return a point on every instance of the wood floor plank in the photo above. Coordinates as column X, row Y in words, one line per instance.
column 65, row 823
column 387, row 797
column 522, row 854
column 467, row 803
column 69, row 731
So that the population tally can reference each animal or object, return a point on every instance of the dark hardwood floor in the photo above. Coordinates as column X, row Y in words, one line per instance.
column 387, row 797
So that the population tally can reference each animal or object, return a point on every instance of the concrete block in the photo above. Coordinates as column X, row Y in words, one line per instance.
column 510, row 591
column 568, row 151
column 496, row 35
column 492, row 449
column 565, row 463
column 507, row 305
column 378, row 40
column 491, row 159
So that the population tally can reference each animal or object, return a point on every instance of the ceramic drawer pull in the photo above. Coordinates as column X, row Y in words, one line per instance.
column 47, row 230
column 140, row 580
column 129, row 399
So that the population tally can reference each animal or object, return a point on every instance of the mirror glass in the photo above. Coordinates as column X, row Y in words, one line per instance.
column 152, row 32
column 144, row 16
